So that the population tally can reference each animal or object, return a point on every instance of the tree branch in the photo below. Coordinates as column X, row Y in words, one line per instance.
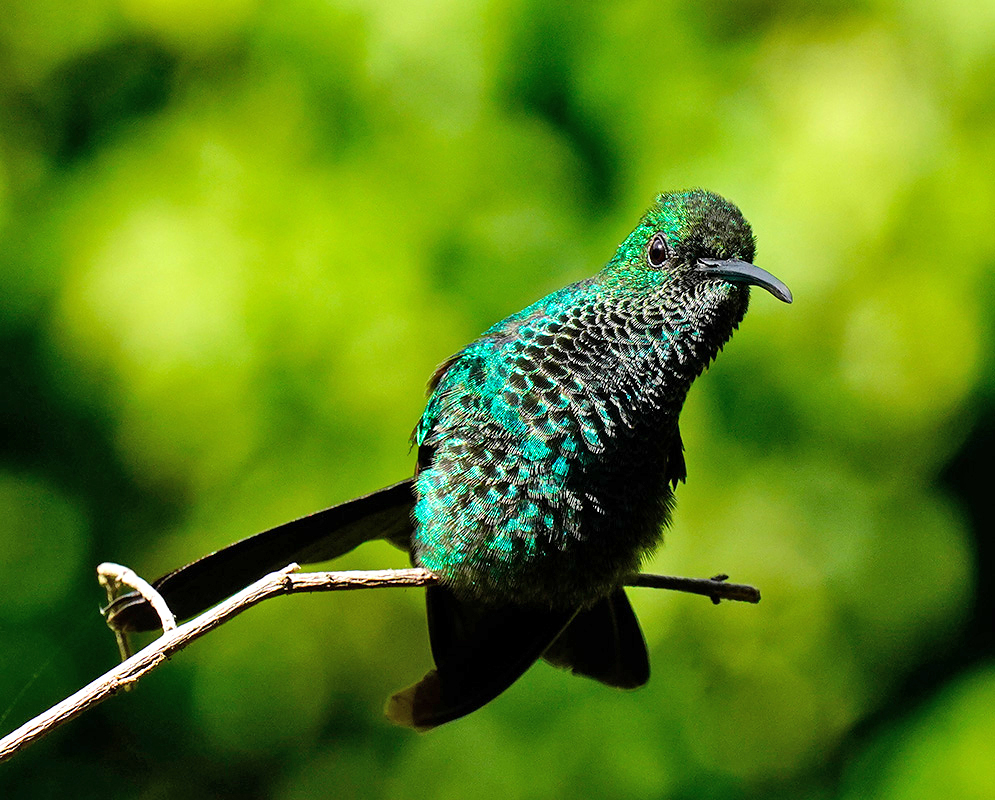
column 285, row 581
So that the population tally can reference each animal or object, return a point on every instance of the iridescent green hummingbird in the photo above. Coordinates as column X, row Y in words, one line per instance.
column 548, row 454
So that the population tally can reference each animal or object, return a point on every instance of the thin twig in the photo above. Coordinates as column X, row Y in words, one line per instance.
column 285, row 581
column 112, row 577
column 144, row 661
column 716, row 588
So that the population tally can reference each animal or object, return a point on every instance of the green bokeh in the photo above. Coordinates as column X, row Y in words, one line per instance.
column 237, row 237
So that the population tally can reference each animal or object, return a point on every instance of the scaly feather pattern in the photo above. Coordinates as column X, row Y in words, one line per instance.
column 550, row 445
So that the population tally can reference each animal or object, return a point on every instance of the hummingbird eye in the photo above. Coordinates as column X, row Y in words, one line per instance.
column 658, row 250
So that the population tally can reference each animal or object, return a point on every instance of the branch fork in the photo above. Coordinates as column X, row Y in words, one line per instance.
column 285, row 581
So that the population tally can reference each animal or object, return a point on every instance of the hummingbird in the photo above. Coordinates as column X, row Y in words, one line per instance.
column 547, row 458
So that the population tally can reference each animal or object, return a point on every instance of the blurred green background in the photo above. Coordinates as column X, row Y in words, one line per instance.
column 235, row 239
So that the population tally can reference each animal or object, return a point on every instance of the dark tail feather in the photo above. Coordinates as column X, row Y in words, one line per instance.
column 321, row 536
column 479, row 652
column 604, row 642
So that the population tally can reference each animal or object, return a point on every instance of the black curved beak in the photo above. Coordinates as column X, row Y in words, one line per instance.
column 735, row 271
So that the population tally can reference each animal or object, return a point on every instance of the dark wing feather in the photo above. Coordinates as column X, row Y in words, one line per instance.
column 324, row 535
column 479, row 652
column 604, row 642
column 677, row 470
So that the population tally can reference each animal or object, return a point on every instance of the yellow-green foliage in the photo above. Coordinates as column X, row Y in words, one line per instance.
column 236, row 237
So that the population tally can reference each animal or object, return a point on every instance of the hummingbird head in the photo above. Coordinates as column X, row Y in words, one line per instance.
column 685, row 272
column 695, row 247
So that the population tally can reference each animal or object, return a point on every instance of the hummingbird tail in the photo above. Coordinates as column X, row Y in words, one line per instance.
column 324, row 535
column 604, row 642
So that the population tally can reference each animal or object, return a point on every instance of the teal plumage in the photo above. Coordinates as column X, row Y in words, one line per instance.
column 552, row 441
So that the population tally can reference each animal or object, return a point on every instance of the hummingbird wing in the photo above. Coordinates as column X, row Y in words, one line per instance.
column 479, row 651
column 677, row 470
column 604, row 642
column 324, row 535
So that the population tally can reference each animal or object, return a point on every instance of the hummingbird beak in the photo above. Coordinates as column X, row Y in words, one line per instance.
column 735, row 271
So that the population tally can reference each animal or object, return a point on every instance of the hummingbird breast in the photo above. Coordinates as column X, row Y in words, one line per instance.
column 548, row 448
